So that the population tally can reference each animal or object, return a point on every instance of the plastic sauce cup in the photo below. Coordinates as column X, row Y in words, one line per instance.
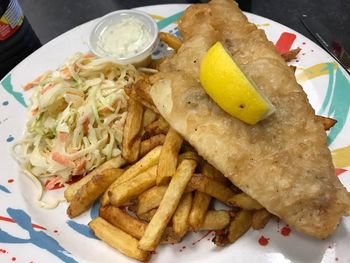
column 143, row 56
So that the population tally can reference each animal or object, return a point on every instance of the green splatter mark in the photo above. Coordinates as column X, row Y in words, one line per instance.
column 6, row 83
column 337, row 98
column 167, row 21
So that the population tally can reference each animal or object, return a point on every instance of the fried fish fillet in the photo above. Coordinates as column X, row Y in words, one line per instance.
column 283, row 162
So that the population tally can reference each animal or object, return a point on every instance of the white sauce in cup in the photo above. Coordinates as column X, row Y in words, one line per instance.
column 125, row 38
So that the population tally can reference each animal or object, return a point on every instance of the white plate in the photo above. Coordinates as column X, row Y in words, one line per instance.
column 53, row 237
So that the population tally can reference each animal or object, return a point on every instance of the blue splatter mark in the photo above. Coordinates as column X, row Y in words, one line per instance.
column 94, row 209
column 156, row 52
column 337, row 98
column 6, row 83
column 37, row 238
column 4, row 189
column 81, row 229
column 5, row 103
column 10, row 138
column 167, row 21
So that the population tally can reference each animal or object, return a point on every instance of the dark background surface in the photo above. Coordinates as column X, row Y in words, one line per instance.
column 50, row 18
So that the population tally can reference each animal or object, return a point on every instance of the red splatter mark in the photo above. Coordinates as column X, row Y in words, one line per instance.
column 13, row 258
column 10, row 181
column 7, row 219
column 263, row 241
column 55, row 231
column 3, row 250
column 153, row 252
column 285, row 231
column 336, row 259
column 203, row 237
column 183, row 247
column 339, row 171
column 285, row 42
column 303, row 43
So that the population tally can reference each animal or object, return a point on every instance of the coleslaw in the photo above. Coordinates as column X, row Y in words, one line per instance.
column 76, row 120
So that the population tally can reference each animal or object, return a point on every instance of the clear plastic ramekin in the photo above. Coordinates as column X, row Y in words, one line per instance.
column 142, row 58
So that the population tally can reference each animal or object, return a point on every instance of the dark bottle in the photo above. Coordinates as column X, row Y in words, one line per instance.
column 17, row 38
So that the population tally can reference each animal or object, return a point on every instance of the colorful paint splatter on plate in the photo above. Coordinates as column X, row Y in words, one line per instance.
column 29, row 233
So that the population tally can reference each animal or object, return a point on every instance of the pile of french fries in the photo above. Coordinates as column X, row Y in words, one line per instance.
column 159, row 189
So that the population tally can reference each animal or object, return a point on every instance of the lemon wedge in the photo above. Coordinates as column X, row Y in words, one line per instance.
column 227, row 85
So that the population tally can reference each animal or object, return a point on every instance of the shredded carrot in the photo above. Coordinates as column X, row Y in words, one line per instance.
column 62, row 136
column 61, row 159
column 65, row 73
column 53, row 184
column 35, row 111
column 89, row 55
column 34, row 82
column 79, row 167
column 86, row 126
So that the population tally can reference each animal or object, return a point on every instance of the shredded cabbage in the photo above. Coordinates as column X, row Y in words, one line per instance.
column 76, row 118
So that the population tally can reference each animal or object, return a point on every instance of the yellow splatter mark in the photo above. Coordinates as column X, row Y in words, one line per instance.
column 157, row 17
column 266, row 24
column 341, row 157
column 314, row 71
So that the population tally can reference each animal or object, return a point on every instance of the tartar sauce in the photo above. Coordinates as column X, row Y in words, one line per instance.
column 125, row 39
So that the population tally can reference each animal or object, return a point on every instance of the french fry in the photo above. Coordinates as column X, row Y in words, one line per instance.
column 239, row 225
column 159, row 126
column 148, row 215
column 92, row 190
column 132, row 226
column 150, row 199
column 139, row 91
column 211, row 187
column 199, row 208
column 151, row 143
column 122, row 193
column 155, row 63
column 215, row 220
column 168, row 157
column 132, row 131
column 170, row 40
column 118, row 239
column 169, row 236
column 123, row 220
column 149, row 116
column 326, row 122
column 260, row 218
column 244, row 201
column 189, row 155
column 149, row 160
column 180, row 217
column 212, row 173
column 167, row 207
column 116, row 162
